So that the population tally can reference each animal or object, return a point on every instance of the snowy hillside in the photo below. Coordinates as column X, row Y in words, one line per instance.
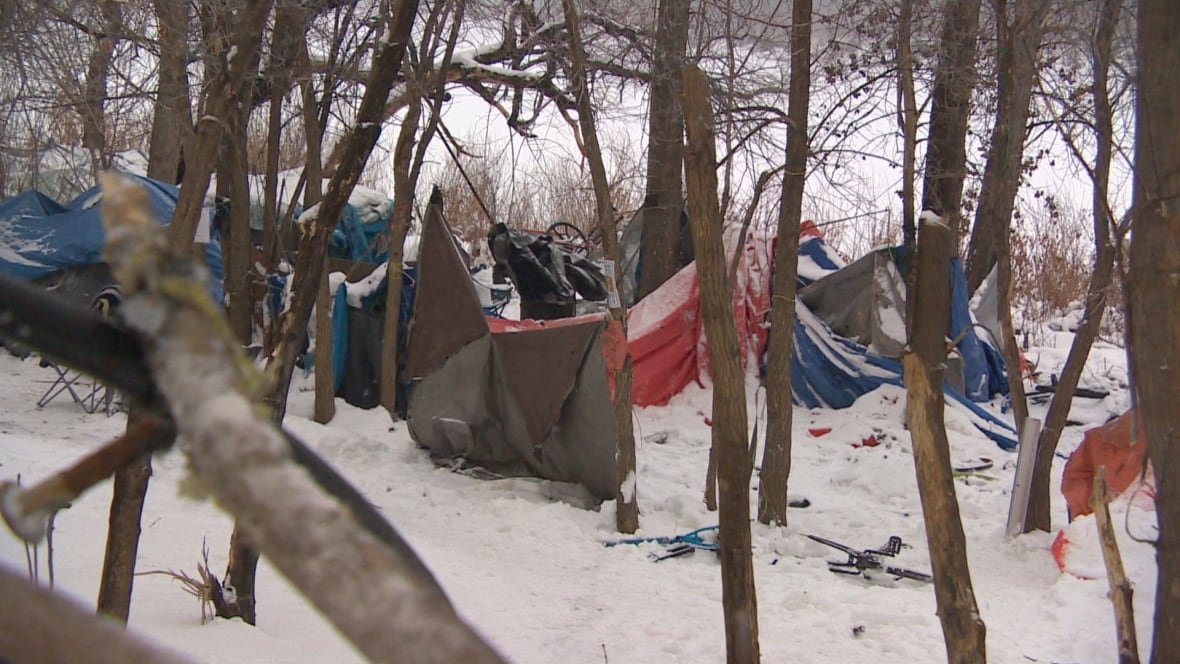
column 532, row 573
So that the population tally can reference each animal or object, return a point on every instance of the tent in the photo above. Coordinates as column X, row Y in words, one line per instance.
column 848, row 332
column 60, row 246
column 517, row 397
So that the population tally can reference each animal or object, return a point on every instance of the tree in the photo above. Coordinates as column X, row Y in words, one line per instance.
column 663, row 204
column 626, row 500
column 776, row 461
column 946, row 155
column 924, row 364
column 734, row 465
column 1037, row 516
column 1155, row 296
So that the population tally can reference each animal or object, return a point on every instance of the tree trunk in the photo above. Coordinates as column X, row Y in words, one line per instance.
column 924, row 364
column 734, row 465
column 626, row 499
column 98, row 69
column 172, row 121
column 118, row 566
column 224, row 91
column 1038, row 516
column 946, row 153
column 1155, row 295
column 325, row 369
column 1016, row 73
column 776, row 460
column 907, row 121
column 233, row 183
column 663, row 204
column 403, row 209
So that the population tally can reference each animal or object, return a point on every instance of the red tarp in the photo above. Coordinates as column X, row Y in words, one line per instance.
column 665, row 334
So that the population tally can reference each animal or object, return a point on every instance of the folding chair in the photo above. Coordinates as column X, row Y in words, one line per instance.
column 88, row 393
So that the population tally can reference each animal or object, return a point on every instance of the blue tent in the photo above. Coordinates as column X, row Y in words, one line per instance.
column 40, row 237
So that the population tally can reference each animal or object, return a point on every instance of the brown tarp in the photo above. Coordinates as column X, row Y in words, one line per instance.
column 525, row 399
column 453, row 315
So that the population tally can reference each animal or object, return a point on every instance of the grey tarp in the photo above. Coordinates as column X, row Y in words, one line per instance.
column 526, row 399
column 864, row 301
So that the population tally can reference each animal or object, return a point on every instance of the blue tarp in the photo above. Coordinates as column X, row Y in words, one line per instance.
column 356, row 240
column 39, row 236
column 829, row 371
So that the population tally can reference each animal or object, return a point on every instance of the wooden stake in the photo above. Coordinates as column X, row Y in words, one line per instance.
column 1120, row 586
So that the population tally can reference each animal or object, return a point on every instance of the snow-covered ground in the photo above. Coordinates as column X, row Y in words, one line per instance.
column 533, row 575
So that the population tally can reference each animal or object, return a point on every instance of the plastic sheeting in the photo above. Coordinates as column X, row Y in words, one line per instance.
column 40, row 237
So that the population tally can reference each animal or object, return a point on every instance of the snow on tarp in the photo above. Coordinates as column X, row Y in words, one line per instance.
column 39, row 236
column 816, row 258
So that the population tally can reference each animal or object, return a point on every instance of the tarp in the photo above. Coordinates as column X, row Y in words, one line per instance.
column 40, row 237
column 830, row 368
column 517, row 397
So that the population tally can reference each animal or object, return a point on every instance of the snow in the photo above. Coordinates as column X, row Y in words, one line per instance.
column 533, row 577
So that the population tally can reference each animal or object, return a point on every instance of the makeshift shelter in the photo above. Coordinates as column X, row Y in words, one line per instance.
column 849, row 331
column 517, row 397
column 60, row 246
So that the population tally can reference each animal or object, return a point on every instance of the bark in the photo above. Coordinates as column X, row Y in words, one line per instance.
column 225, row 90
column 924, row 364
column 946, row 154
column 1016, row 72
column 172, row 122
column 317, row 231
column 1155, row 295
column 1121, row 592
column 38, row 625
column 1038, row 515
column 626, row 500
column 118, row 565
column 663, row 204
column 734, row 465
column 776, row 461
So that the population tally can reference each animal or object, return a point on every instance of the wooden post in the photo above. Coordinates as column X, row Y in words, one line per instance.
column 924, row 363
column 1120, row 586
column 734, row 465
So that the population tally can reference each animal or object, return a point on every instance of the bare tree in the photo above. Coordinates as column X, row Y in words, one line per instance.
column 626, row 500
column 1155, row 296
column 776, row 461
column 1020, row 31
column 924, row 364
column 1038, row 515
column 734, row 465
